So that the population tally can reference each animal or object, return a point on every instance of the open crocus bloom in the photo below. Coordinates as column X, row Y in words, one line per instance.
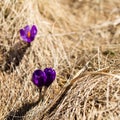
column 28, row 34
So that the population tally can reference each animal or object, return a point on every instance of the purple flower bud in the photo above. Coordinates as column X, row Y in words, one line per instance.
column 51, row 74
column 28, row 34
column 39, row 78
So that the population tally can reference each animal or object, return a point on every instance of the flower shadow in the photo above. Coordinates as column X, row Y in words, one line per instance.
column 14, row 56
column 20, row 113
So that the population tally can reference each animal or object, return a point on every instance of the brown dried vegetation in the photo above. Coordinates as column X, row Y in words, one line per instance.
column 71, row 32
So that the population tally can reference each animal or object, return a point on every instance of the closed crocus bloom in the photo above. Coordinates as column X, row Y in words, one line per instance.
column 28, row 34
column 39, row 78
column 51, row 74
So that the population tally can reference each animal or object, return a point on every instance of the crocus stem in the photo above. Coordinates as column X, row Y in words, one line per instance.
column 45, row 89
column 40, row 93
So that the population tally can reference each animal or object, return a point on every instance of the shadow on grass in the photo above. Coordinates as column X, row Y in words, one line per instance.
column 14, row 56
column 20, row 113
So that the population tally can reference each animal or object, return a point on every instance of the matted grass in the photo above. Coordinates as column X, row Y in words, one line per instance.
column 70, row 33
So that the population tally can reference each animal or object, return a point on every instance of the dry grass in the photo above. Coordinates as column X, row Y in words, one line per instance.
column 70, row 33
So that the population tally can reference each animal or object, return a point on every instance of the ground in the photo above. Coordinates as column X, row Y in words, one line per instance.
column 80, row 39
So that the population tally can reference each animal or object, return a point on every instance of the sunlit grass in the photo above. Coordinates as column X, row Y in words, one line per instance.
column 70, row 33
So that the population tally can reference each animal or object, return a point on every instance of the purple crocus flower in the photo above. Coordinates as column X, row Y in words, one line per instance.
column 39, row 78
column 51, row 74
column 28, row 34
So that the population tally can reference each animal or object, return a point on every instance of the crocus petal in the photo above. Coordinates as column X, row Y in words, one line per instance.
column 33, row 30
column 29, row 39
column 27, row 29
column 23, row 35
column 51, row 74
column 32, row 38
column 22, row 32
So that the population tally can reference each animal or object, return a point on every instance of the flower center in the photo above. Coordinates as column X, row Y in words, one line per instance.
column 28, row 34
